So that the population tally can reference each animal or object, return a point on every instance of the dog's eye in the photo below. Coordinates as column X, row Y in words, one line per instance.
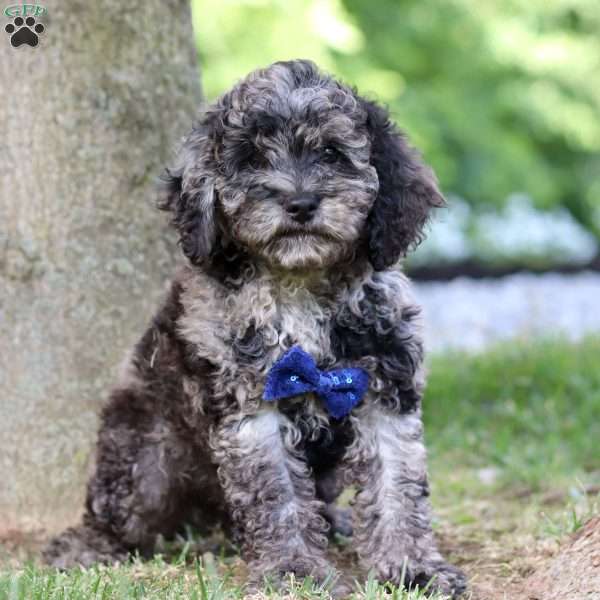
column 248, row 155
column 330, row 154
column 257, row 160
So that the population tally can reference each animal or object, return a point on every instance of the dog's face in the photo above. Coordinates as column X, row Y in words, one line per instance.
column 297, row 169
column 297, row 185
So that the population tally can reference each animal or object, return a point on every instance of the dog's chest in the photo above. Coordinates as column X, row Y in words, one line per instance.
column 271, row 320
column 243, row 333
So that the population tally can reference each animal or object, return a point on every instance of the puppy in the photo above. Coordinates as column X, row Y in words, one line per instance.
column 287, row 359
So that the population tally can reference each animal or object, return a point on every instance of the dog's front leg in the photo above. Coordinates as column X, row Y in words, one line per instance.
column 392, row 525
column 271, row 496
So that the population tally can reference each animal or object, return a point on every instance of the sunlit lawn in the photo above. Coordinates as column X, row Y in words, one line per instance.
column 512, row 437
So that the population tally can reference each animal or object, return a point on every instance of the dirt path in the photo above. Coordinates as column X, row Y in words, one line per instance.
column 574, row 572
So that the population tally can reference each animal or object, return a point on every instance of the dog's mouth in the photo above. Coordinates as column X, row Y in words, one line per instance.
column 303, row 234
column 297, row 248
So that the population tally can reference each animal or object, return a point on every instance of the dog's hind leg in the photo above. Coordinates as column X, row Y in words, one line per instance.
column 143, row 485
column 85, row 546
column 271, row 496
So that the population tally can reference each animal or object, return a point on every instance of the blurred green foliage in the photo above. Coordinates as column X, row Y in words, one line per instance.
column 501, row 96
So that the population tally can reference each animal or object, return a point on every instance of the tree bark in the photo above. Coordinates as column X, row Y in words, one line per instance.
column 88, row 119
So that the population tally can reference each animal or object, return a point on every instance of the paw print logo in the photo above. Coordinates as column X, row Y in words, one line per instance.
column 24, row 31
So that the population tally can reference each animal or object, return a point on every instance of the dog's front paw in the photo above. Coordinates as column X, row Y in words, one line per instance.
column 434, row 576
column 442, row 578
column 278, row 575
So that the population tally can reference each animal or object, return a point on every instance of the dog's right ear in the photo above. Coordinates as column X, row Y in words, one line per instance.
column 188, row 193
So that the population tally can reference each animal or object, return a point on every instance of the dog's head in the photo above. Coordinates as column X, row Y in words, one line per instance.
column 296, row 168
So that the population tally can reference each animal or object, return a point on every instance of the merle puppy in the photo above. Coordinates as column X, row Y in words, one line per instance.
column 294, row 198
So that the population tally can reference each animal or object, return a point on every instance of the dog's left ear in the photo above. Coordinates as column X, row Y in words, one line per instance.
column 408, row 191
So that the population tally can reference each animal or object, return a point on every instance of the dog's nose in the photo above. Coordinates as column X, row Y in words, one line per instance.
column 303, row 207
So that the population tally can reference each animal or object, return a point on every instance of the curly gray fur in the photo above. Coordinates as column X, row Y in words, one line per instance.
column 293, row 198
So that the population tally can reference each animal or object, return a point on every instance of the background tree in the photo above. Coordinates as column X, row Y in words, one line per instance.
column 88, row 119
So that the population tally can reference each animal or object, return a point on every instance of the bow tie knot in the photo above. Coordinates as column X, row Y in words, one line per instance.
column 296, row 373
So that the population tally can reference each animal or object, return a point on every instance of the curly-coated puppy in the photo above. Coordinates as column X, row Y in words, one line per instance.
column 293, row 198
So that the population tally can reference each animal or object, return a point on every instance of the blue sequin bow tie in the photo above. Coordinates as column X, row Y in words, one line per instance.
column 296, row 373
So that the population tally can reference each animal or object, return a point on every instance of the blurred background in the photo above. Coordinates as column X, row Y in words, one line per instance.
column 503, row 100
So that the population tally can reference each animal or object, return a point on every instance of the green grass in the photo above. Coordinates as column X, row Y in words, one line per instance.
column 160, row 580
column 530, row 411
column 527, row 414
column 154, row 579
column 582, row 506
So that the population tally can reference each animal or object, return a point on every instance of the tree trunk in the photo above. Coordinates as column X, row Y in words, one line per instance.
column 88, row 119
